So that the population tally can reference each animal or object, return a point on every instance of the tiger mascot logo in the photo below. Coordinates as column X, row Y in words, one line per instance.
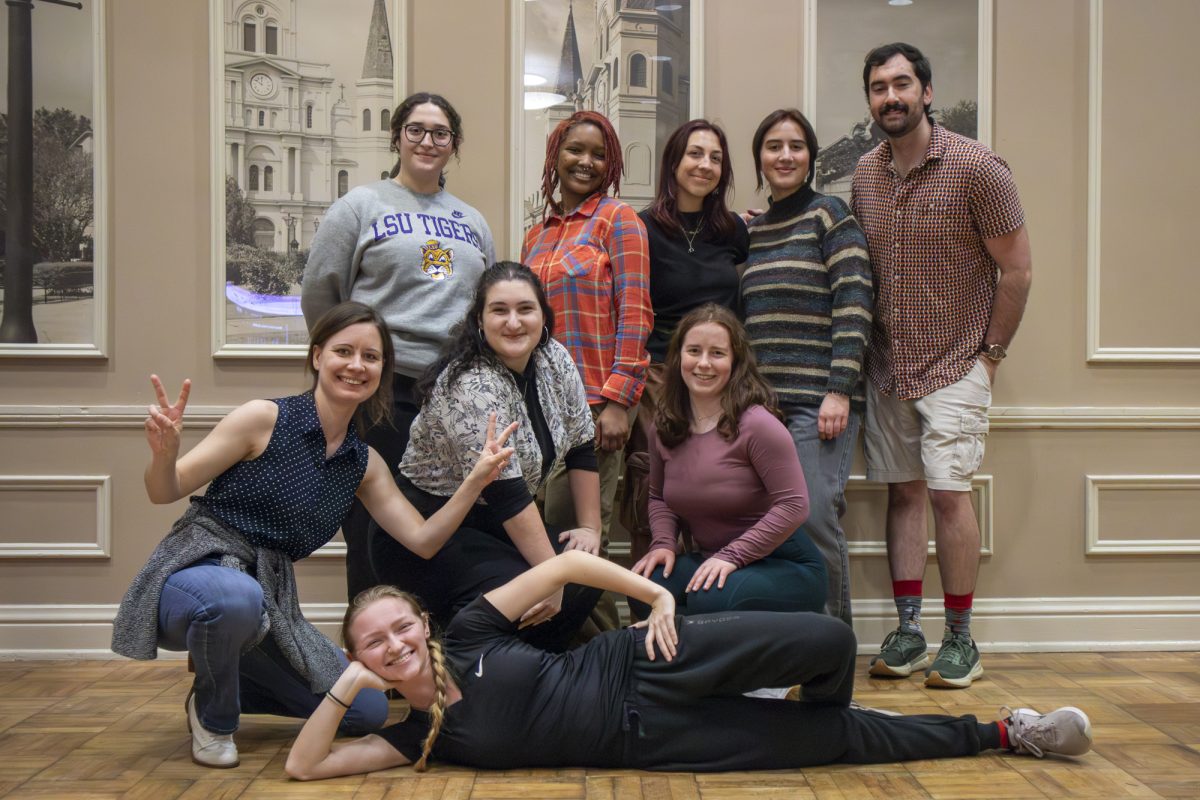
column 436, row 261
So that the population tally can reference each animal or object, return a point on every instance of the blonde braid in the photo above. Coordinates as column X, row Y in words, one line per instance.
column 437, row 657
column 437, row 712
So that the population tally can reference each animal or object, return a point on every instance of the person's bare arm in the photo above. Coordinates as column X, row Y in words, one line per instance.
column 242, row 434
column 316, row 755
column 514, row 598
column 390, row 508
column 1015, row 260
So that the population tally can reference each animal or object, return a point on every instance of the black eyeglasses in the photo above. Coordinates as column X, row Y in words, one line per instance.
column 416, row 134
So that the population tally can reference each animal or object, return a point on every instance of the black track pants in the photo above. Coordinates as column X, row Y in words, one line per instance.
column 689, row 714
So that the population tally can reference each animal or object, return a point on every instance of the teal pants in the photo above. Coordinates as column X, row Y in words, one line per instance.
column 790, row 579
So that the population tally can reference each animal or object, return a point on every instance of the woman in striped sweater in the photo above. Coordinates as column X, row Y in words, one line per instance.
column 807, row 297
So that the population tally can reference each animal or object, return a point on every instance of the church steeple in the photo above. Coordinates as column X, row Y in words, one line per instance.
column 377, row 60
column 570, row 67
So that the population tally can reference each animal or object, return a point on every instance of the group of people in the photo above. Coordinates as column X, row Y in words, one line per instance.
column 726, row 363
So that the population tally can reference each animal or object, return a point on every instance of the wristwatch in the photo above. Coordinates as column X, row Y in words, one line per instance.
column 993, row 352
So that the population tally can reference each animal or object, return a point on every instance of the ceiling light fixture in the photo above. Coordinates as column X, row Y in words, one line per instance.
column 535, row 101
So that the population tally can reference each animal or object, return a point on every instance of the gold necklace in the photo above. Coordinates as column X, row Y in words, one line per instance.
column 691, row 236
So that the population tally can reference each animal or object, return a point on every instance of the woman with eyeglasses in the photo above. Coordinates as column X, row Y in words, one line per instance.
column 412, row 251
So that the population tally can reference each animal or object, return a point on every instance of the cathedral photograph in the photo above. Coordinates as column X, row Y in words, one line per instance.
column 308, row 93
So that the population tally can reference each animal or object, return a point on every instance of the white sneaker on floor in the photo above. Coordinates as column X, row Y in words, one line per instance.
column 1066, row 731
column 209, row 749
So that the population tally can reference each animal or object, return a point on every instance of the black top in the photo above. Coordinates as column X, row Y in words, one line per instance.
column 521, row 706
column 508, row 497
column 681, row 281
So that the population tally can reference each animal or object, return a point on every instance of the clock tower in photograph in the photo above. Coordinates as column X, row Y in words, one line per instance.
column 297, row 135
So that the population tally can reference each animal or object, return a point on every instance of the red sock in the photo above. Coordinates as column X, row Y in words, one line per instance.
column 956, row 602
column 958, row 614
column 1003, row 725
column 907, row 589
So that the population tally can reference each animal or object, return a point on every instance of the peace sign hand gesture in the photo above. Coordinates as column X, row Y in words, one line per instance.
column 165, row 421
column 494, row 456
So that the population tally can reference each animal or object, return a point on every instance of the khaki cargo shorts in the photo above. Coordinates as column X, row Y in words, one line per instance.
column 937, row 438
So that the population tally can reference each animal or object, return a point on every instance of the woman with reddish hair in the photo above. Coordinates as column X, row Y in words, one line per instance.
column 591, row 255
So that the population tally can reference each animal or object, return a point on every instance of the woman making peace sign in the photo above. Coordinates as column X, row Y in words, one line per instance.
column 283, row 474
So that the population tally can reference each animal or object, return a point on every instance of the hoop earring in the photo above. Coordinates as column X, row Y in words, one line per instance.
column 479, row 335
column 545, row 340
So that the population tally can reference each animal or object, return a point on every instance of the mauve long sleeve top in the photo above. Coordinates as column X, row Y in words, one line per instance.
column 740, row 499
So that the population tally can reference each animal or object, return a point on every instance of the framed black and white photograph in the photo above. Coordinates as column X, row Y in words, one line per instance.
column 53, row 235
column 956, row 37
column 638, row 62
column 302, row 95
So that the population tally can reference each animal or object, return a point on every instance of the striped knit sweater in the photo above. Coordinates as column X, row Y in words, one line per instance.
column 807, row 297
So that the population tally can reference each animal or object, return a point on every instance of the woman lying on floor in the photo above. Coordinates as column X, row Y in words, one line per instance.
column 653, row 697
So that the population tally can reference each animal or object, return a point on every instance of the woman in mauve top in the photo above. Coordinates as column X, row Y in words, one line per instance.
column 723, row 468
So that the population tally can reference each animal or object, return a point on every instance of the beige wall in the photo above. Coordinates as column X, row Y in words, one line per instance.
column 1058, row 418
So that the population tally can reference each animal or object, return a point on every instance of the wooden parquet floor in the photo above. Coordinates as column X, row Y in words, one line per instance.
column 116, row 729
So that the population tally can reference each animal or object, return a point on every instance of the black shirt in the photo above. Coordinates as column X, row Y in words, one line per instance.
column 521, row 706
column 508, row 497
column 681, row 281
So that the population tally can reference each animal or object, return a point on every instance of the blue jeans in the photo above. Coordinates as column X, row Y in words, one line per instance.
column 790, row 579
column 826, row 465
column 213, row 612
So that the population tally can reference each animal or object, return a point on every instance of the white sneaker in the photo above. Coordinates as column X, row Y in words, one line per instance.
column 209, row 749
column 1066, row 731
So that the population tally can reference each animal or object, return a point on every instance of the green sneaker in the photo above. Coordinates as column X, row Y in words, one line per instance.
column 956, row 665
column 902, row 652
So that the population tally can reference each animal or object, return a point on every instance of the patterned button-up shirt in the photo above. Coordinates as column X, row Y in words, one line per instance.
column 935, row 279
column 595, row 266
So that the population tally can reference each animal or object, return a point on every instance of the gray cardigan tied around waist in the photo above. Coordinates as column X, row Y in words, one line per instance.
column 197, row 535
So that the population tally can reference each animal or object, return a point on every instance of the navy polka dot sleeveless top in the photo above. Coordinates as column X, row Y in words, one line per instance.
column 291, row 498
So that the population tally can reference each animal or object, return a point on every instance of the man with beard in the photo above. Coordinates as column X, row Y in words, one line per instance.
column 952, row 266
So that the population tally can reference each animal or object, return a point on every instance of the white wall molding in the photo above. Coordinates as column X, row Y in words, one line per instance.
column 981, row 494
column 1001, row 417
column 1095, row 545
column 1096, row 351
column 101, row 486
column 1034, row 624
column 108, row 416
column 1094, row 417
column 1013, row 624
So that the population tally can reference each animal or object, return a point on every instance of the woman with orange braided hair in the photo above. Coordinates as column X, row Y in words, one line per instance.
column 591, row 255
column 650, row 697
